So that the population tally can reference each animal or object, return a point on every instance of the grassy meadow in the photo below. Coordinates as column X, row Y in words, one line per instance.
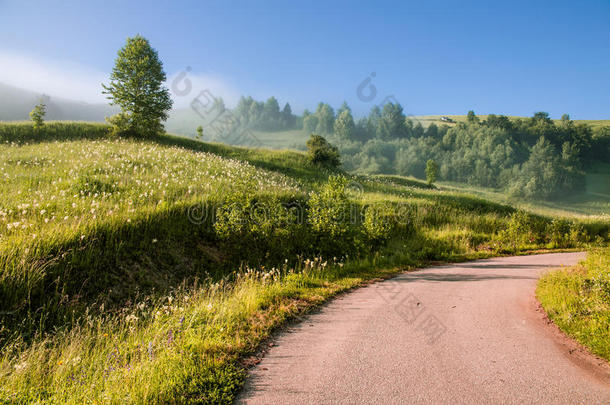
column 577, row 299
column 150, row 271
column 589, row 205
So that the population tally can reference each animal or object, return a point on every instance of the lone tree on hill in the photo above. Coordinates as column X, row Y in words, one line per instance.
column 471, row 117
column 431, row 171
column 136, row 85
column 37, row 115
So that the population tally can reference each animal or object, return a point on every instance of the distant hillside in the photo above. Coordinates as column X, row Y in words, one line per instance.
column 426, row 120
column 16, row 104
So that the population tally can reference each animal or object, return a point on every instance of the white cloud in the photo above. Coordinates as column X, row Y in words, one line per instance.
column 69, row 80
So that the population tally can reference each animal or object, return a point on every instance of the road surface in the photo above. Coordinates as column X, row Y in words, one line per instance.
column 461, row 333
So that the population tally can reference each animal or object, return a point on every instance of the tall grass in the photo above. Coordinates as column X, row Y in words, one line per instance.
column 577, row 299
column 20, row 132
column 80, row 217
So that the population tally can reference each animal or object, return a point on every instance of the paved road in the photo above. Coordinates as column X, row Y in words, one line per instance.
column 461, row 333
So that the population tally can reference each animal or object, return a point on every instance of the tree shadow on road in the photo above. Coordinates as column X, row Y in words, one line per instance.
column 501, row 266
column 438, row 277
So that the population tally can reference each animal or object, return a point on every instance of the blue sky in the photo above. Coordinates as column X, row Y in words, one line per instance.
column 435, row 57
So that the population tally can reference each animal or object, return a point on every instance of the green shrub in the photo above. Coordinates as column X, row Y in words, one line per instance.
column 270, row 228
column 332, row 217
column 380, row 222
column 431, row 171
column 322, row 153
column 558, row 231
column 119, row 124
column 523, row 229
column 563, row 233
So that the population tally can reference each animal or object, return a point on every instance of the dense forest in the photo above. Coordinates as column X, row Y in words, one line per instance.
column 533, row 157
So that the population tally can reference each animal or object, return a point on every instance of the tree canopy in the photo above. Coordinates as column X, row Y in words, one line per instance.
column 137, row 87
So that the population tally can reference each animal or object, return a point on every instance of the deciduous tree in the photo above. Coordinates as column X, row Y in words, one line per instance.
column 137, row 87
column 431, row 171
column 37, row 115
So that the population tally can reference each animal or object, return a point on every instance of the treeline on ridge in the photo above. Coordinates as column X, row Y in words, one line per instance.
column 535, row 157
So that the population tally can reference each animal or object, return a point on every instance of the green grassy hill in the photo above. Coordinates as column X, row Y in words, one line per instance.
column 149, row 271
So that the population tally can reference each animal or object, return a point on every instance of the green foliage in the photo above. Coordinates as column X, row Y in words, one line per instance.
column 310, row 122
column 562, row 233
column 288, row 119
column 526, row 230
column 199, row 132
column 136, row 85
column 119, row 124
column 269, row 227
column 322, row 153
column 271, row 110
column 431, row 171
column 523, row 229
column 37, row 115
column 531, row 158
column 331, row 217
column 498, row 121
column 545, row 174
column 601, row 140
column 326, row 118
column 471, row 117
column 391, row 124
column 344, row 124
column 381, row 222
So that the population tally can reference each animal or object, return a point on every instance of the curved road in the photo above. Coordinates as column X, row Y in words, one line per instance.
column 460, row 333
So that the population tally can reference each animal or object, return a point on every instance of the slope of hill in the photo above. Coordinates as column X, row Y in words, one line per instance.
column 588, row 204
column 147, row 271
